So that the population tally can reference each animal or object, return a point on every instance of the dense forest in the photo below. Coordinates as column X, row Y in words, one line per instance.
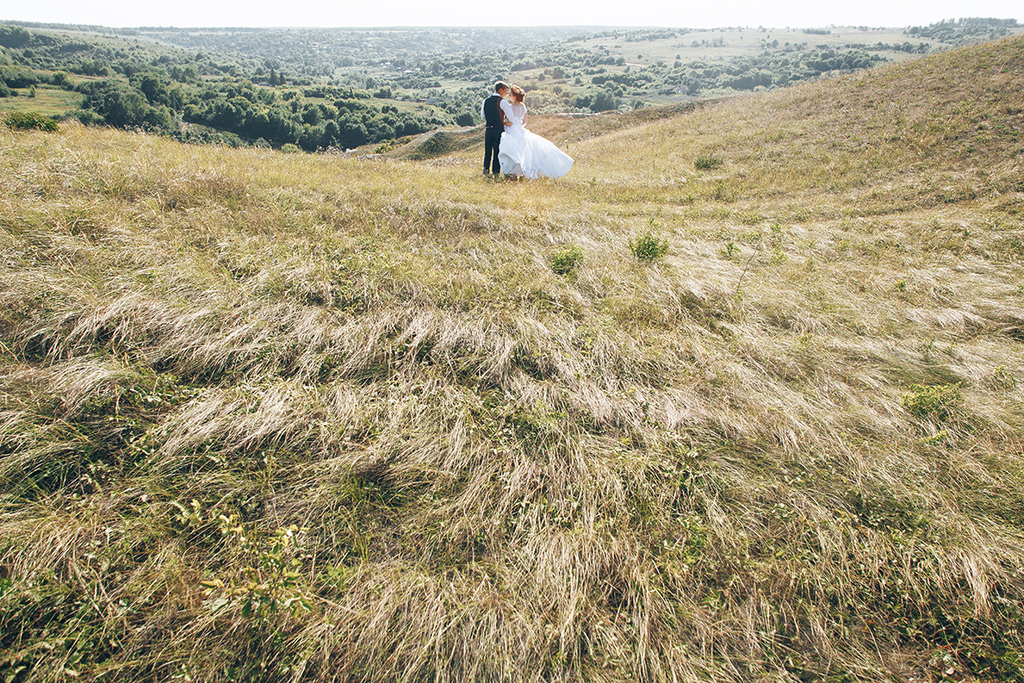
column 334, row 88
column 132, row 84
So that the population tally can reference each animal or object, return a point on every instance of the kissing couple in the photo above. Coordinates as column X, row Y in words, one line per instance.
column 509, row 148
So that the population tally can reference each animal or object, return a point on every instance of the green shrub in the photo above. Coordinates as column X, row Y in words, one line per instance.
column 709, row 162
column 28, row 120
column 938, row 402
column 268, row 581
column 1002, row 379
column 647, row 247
column 565, row 260
column 88, row 117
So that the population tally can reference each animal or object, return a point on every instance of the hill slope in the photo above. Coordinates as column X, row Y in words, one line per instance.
column 271, row 417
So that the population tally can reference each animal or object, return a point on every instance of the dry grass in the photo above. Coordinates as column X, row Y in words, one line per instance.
column 285, row 417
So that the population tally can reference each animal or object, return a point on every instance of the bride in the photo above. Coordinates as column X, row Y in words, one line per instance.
column 522, row 152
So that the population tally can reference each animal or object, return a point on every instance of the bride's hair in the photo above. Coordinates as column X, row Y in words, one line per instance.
column 518, row 94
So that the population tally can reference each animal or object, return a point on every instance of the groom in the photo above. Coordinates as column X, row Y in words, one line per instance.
column 494, row 118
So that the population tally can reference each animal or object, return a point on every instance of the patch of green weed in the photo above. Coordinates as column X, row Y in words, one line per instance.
column 648, row 247
column 567, row 259
column 938, row 402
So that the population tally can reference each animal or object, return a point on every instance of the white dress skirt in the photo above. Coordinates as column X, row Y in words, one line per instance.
column 525, row 153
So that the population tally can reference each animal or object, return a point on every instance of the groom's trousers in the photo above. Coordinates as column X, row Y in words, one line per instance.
column 492, row 140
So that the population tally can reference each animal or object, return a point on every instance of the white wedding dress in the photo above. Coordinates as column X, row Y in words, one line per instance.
column 527, row 154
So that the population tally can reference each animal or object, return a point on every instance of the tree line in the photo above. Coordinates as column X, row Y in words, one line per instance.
column 964, row 31
column 137, row 86
column 257, row 115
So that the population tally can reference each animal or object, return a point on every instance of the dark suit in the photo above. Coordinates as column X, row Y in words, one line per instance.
column 492, row 134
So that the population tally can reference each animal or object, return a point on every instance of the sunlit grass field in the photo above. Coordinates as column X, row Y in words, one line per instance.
column 47, row 100
column 275, row 417
column 714, row 44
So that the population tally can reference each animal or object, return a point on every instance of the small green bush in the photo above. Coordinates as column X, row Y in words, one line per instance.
column 565, row 260
column 647, row 247
column 18, row 120
column 937, row 402
column 1002, row 379
column 709, row 162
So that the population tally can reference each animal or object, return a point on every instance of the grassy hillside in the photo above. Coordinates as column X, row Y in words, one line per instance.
column 292, row 417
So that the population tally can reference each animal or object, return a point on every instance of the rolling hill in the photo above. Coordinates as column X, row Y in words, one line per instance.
column 738, row 399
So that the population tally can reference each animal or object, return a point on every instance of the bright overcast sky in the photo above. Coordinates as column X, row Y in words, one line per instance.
column 307, row 13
